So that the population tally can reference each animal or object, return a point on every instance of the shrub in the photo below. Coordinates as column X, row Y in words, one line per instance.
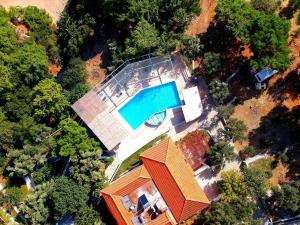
column 219, row 90
column 212, row 62
column 249, row 151
column 109, row 160
column 220, row 152
column 235, row 129
column 225, row 111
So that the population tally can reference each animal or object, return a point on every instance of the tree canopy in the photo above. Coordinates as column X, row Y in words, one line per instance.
column 235, row 129
column 267, row 33
column 73, row 140
column 48, row 99
column 219, row 90
column 67, row 197
column 30, row 64
column 219, row 153
column 235, row 204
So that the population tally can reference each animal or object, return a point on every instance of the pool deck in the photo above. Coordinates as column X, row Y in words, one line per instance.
column 208, row 121
column 101, row 115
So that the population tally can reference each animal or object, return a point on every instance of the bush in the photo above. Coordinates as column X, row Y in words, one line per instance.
column 109, row 160
column 219, row 90
column 225, row 111
column 212, row 62
column 249, row 151
column 219, row 153
column 235, row 129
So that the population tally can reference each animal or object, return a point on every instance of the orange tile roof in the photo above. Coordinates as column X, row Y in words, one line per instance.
column 164, row 164
column 175, row 180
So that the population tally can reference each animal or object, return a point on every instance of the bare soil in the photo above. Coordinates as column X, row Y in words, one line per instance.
column 95, row 74
column 54, row 69
column 53, row 7
column 251, row 111
column 201, row 23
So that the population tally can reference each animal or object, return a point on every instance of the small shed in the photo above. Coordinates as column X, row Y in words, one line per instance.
column 264, row 74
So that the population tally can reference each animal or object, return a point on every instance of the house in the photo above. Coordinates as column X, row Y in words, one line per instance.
column 161, row 191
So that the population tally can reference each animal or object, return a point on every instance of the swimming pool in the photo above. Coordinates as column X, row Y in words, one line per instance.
column 149, row 101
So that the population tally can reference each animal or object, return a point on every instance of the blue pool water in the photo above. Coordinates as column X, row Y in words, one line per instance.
column 149, row 101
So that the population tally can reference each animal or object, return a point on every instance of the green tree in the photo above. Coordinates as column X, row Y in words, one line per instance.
column 18, row 103
column 30, row 132
column 274, row 51
column 73, row 140
column 7, row 133
column 171, row 15
column 30, row 64
column 48, row 99
column 219, row 90
column 23, row 161
column 35, row 207
column 6, row 79
column 87, row 170
column 67, row 197
column 219, row 153
column 235, row 204
column 144, row 39
column 43, row 174
column 267, row 6
column 87, row 215
column 287, row 197
column 77, row 92
column 257, row 181
column 74, row 73
column 14, row 195
column 74, row 27
column 37, row 19
column 8, row 39
column 235, row 129
column 267, row 33
column 191, row 47
column 225, row 111
column 212, row 62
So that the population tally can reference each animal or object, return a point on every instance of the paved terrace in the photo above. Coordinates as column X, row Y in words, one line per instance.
column 98, row 108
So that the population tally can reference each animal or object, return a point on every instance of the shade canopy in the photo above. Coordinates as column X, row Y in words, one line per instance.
column 192, row 108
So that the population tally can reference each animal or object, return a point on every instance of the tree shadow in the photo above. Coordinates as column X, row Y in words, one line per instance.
column 278, row 133
column 220, row 39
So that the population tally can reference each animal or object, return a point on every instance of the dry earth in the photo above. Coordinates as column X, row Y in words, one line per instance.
column 200, row 23
column 53, row 7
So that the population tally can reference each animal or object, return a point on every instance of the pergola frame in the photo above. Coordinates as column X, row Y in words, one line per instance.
column 120, row 79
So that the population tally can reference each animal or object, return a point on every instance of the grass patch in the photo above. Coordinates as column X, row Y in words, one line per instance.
column 263, row 164
column 135, row 158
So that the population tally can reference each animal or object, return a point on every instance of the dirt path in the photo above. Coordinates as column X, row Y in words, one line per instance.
column 201, row 23
column 53, row 7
